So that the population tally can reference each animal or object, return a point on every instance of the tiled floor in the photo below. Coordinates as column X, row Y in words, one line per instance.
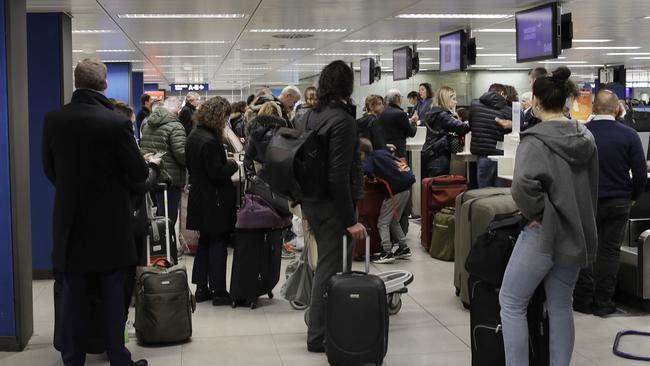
column 431, row 329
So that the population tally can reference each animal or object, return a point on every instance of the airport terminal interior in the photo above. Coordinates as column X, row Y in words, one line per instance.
column 185, row 51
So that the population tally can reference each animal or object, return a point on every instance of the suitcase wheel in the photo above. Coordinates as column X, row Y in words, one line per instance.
column 457, row 291
column 307, row 317
column 253, row 304
column 394, row 303
column 297, row 305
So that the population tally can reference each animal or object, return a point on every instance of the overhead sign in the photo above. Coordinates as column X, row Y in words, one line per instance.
column 189, row 87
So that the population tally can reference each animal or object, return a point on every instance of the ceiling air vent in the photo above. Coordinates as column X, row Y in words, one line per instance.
column 292, row 35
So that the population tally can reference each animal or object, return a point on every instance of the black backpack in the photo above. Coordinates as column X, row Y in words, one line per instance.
column 296, row 163
column 489, row 256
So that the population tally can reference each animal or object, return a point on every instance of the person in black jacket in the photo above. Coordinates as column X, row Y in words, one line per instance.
column 395, row 123
column 89, row 168
column 262, row 129
column 147, row 104
column 368, row 126
column 441, row 121
column 237, row 122
column 192, row 101
column 487, row 132
column 334, row 215
column 212, row 200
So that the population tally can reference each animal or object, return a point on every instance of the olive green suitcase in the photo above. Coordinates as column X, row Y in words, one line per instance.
column 442, row 237
column 475, row 209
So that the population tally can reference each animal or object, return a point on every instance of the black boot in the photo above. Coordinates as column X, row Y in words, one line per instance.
column 221, row 298
column 203, row 293
column 140, row 363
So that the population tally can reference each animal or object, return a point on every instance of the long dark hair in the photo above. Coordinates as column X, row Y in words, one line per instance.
column 427, row 86
column 336, row 82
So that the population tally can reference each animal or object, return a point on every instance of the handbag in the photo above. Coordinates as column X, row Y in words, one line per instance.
column 260, row 188
column 456, row 143
column 256, row 213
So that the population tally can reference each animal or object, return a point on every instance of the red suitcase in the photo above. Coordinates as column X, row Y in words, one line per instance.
column 369, row 208
column 190, row 237
column 438, row 193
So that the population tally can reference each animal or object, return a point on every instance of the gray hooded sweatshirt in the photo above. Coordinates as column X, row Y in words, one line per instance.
column 556, row 182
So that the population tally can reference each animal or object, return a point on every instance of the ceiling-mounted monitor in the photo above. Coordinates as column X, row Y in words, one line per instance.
column 367, row 71
column 402, row 63
column 538, row 33
column 454, row 51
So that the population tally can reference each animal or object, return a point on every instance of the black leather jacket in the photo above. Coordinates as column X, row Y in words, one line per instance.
column 262, row 128
column 338, row 132
column 486, row 131
column 440, row 122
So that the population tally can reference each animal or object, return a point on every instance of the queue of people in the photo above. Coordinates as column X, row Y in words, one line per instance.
column 571, row 182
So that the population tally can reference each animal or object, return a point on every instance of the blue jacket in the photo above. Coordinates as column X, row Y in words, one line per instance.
column 384, row 165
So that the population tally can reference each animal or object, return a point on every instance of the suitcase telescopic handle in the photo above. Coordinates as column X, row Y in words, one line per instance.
column 345, row 254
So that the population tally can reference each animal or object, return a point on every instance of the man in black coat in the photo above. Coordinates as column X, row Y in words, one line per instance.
column 147, row 103
column 89, row 155
column 487, row 132
column 396, row 124
column 192, row 101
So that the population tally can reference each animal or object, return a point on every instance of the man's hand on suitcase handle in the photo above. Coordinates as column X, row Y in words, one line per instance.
column 357, row 231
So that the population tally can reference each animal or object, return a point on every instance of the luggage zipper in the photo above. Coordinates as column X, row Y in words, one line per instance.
column 496, row 330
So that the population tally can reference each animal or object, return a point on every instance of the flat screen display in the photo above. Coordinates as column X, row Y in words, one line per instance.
column 451, row 53
column 536, row 33
column 367, row 76
column 402, row 63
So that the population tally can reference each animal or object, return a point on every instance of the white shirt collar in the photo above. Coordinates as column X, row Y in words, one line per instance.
column 607, row 117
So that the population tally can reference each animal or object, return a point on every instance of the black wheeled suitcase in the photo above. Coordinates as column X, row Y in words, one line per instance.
column 256, row 265
column 356, row 317
column 160, row 227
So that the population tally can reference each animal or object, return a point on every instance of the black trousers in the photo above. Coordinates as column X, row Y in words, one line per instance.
column 210, row 261
column 174, row 200
column 111, row 290
column 328, row 230
column 598, row 282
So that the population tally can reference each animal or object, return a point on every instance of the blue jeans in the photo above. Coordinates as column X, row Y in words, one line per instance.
column 486, row 172
column 527, row 268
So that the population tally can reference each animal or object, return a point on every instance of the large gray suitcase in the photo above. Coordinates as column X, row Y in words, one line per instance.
column 475, row 209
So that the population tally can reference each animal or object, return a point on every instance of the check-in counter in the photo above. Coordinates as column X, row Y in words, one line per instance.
column 414, row 148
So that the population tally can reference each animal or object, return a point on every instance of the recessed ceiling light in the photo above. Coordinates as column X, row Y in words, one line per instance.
column 385, row 40
column 132, row 61
column 187, row 56
column 298, row 30
column 563, row 62
column 591, row 40
column 484, row 66
column 608, row 48
column 454, row 16
column 182, row 16
column 279, row 49
column 584, row 66
column 627, row 54
column 114, row 51
column 496, row 55
column 77, row 51
column 184, row 42
column 347, row 54
column 496, row 30
column 92, row 31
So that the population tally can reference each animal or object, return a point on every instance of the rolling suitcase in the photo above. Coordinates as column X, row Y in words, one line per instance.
column 256, row 265
column 442, row 239
column 164, row 302
column 356, row 316
column 438, row 193
column 368, row 208
column 160, row 230
column 475, row 210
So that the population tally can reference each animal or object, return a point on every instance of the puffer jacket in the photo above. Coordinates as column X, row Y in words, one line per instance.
column 370, row 129
column 253, row 110
column 337, row 130
column 262, row 128
column 163, row 132
column 486, row 131
column 440, row 123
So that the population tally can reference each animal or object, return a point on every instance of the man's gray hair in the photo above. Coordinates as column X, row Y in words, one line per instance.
column 90, row 74
column 192, row 96
column 172, row 104
column 291, row 89
column 527, row 96
column 394, row 96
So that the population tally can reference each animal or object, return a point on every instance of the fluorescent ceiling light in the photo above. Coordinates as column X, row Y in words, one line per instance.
column 184, row 42
column 428, row 48
column 188, row 65
column 77, row 51
column 182, row 16
column 509, row 69
column 641, row 58
column 92, row 31
column 563, row 62
column 117, row 51
column 496, row 30
column 132, row 61
column 247, row 68
column 259, row 62
column 430, row 63
column 186, row 56
column 627, row 54
column 298, row 30
column 241, row 74
column 608, row 48
column 385, row 40
column 309, row 64
column 484, row 66
column 279, row 49
column 591, row 40
column 584, row 66
column 496, row 55
column 454, row 16
column 347, row 54
column 303, row 70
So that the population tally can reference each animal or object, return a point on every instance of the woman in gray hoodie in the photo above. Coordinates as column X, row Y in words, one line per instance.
column 555, row 186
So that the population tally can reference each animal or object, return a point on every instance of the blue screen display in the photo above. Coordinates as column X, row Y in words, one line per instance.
column 535, row 34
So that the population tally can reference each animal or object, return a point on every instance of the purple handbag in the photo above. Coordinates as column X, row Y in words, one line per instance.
column 256, row 213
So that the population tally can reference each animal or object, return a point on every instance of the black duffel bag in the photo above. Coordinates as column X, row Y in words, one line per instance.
column 489, row 256
column 260, row 188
